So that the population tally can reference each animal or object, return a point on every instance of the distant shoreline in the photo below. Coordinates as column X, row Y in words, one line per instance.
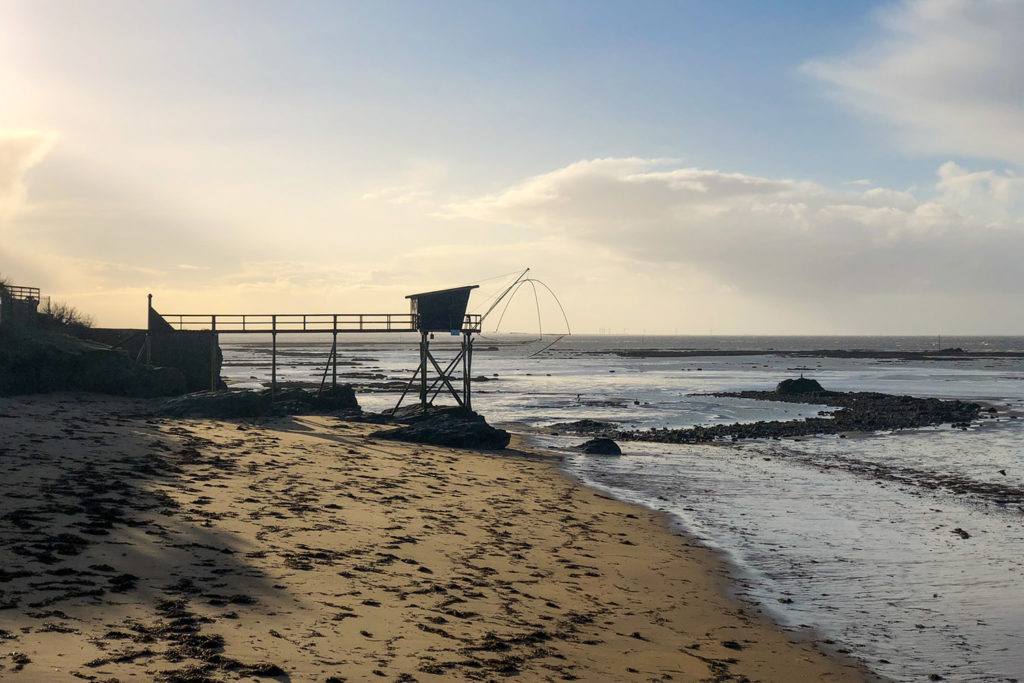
column 939, row 354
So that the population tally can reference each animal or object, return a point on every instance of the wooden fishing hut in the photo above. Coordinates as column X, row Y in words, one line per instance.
column 443, row 310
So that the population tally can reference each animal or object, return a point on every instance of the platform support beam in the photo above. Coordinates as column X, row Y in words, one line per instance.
column 273, row 357
column 213, row 353
column 424, row 353
column 467, row 370
column 149, row 330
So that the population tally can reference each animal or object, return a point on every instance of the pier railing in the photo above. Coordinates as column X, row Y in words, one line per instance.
column 19, row 293
column 335, row 323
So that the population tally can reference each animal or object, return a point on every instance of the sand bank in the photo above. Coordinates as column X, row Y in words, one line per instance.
column 301, row 549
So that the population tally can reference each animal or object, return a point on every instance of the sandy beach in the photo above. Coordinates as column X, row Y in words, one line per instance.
column 302, row 549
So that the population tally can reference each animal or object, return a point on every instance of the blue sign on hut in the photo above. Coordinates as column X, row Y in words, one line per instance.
column 443, row 310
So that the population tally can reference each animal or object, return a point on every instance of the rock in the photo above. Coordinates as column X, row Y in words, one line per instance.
column 295, row 401
column 226, row 405
column 856, row 412
column 455, row 427
column 600, row 447
column 803, row 385
column 218, row 405
column 586, row 426
column 414, row 412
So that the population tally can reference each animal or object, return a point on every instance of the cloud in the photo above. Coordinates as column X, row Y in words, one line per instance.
column 19, row 151
column 948, row 73
column 779, row 237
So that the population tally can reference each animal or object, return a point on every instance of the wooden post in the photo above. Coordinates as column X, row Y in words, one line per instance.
column 467, row 369
column 423, row 370
column 273, row 357
column 213, row 353
column 334, row 373
column 149, row 330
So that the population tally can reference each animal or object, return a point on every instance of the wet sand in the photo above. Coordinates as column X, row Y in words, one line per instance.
column 301, row 549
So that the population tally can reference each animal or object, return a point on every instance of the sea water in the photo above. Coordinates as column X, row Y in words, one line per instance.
column 903, row 549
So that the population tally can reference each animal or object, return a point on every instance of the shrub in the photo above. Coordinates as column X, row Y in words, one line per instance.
column 61, row 314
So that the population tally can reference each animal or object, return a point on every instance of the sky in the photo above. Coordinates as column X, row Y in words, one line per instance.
column 664, row 167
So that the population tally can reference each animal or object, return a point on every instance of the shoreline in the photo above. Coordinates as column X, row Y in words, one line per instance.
column 879, row 354
column 730, row 575
column 193, row 550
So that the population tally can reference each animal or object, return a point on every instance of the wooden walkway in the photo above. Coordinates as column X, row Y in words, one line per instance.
column 306, row 323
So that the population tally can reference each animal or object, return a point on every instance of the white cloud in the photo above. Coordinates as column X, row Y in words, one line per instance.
column 776, row 237
column 19, row 151
column 948, row 73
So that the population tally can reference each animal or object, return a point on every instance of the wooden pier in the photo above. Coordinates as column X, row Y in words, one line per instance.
column 438, row 311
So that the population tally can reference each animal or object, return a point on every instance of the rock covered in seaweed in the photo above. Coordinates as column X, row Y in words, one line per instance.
column 856, row 411
column 803, row 385
column 454, row 427
column 585, row 426
column 600, row 446
column 226, row 404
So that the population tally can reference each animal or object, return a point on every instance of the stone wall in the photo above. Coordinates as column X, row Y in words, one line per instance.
column 187, row 351
column 19, row 311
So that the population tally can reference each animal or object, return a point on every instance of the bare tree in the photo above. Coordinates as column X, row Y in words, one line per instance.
column 65, row 315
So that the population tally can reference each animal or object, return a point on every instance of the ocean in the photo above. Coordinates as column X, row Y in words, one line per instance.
column 901, row 550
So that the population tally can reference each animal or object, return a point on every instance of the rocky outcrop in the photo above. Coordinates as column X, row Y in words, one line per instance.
column 454, row 427
column 600, row 446
column 33, row 361
column 585, row 426
column 857, row 412
column 802, row 385
column 226, row 405
column 217, row 405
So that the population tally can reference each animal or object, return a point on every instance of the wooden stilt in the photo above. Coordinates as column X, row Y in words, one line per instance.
column 424, row 353
column 405, row 391
column 213, row 353
column 273, row 358
column 149, row 331
column 467, row 370
column 332, row 359
column 334, row 353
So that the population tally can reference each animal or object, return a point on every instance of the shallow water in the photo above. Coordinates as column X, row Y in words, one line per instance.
column 853, row 537
column 873, row 564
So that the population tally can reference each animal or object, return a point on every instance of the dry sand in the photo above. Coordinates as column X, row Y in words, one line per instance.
column 300, row 549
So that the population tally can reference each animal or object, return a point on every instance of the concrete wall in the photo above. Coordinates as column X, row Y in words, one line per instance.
column 188, row 351
column 18, row 311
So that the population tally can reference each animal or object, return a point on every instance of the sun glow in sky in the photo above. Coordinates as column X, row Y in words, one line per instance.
column 726, row 167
